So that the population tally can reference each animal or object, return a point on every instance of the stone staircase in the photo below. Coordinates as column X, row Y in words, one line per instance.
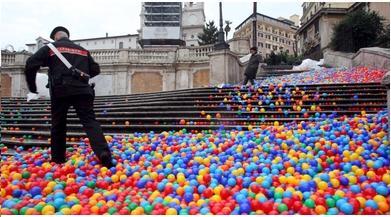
column 28, row 123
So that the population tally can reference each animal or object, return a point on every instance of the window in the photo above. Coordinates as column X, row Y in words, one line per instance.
column 192, row 36
column 121, row 45
column 274, row 47
column 316, row 26
column 112, row 41
column 95, row 42
column 305, row 35
column 261, row 44
column 103, row 41
column 130, row 39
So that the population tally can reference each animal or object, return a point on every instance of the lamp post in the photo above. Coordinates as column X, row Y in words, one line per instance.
column 221, row 44
column 255, row 25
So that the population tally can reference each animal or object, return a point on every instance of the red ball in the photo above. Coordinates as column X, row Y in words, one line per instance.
column 369, row 211
column 267, row 207
column 207, row 178
column 225, row 193
column 207, row 193
column 305, row 211
column 255, row 188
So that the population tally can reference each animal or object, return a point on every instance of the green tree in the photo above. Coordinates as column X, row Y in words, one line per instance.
column 357, row 30
column 209, row 34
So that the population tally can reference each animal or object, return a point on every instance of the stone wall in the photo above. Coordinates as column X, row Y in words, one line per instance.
column 137, row 71
column 373, row 57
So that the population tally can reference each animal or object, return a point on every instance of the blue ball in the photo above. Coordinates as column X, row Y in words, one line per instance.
column 188, row 197
column 347, row 208
column 34, row 191
column 383, row 190
column 244, row 208
column 58, row 202
column 231, row 182
column 17, row 193
column 240, row 197
column 371, row 203
column 355, row 189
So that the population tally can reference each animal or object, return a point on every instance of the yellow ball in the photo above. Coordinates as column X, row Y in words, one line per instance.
column 340, row 193
column 171, row 211
column 66, row 211
column 114, row 178
column 291, row 170
column 322, row 185
column 386, row 178
column 305, row 166
column 335, row 183
column 362, row 201
column 48, row 210
column 215, row 198
column 379, row 198
column 371, row 174
column 76, row 209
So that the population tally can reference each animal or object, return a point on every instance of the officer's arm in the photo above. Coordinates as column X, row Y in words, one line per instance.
column 33, row 63
column 93, row 66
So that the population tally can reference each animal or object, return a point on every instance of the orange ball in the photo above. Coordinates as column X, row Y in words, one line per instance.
column 320, row 210
column 383, row 207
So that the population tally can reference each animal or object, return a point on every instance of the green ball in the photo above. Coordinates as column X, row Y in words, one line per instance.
column 14, row 212
column 25, row 175
column 309, row 203
column 38, row 207
column 132, row 206
column 330, row 202
column 23, row 210
column 148, row 209
column 183, row 212
column 278, row 195
column 282, row 207
column 112, row 210
column 91, row 184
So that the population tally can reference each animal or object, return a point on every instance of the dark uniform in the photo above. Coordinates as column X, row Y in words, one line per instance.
column 67, row 90
column 252, row 68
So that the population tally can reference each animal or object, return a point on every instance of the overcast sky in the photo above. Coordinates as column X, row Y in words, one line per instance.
column 23, row 21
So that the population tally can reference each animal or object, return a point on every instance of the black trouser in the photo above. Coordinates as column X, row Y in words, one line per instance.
column 246, row 79
column 83, row 104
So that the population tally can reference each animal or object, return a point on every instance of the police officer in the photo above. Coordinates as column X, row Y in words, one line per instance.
column 69, row 89
column 252, row 67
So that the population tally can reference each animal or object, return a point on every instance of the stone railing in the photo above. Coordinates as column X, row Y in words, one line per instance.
column 151, row 56
column 105, row 56
column 132, row 56
column 193, row 54
column 7, row 58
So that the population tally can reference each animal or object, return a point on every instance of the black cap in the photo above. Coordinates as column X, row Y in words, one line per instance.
column 57, row 29
column 254, row 48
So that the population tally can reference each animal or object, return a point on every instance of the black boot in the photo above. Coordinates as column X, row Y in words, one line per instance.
column 106, row 160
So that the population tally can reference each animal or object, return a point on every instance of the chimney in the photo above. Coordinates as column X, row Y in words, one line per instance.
column 107, row 34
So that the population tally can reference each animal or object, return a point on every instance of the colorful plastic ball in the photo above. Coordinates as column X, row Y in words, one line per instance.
column 171, row 211
column 383, row 190
column 347, row 208
column 48, row 210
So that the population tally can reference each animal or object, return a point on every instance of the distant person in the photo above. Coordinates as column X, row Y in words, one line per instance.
column 252, row 67
column 70, row 67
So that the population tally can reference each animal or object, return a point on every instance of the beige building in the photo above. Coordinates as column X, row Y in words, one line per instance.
column 319, row 18
column 272, row 34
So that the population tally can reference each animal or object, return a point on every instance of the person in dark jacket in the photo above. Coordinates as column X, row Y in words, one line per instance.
column 252, row 67
column 69, row 89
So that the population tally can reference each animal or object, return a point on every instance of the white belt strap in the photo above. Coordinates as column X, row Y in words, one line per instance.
column 60, row 56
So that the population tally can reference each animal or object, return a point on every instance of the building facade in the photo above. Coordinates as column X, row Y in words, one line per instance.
column 108, row 42
column 193, row 19
column 160, row 24
column 277, row 35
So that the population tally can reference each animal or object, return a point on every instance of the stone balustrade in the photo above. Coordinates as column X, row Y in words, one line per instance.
column 105, row 56
column 7, row 58
column 151, row 56
column 135, row 56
